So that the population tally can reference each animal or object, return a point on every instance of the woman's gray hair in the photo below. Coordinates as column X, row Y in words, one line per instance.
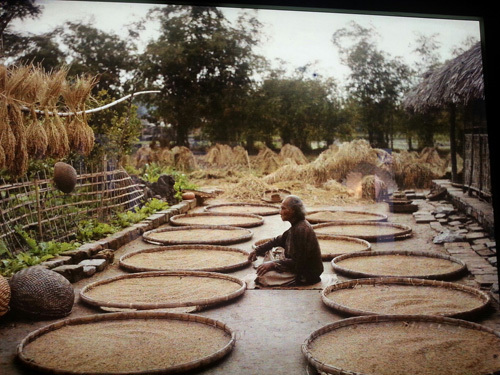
column 297, row 206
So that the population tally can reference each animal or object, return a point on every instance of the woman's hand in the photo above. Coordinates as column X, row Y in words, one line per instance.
column 252, row 256
column 265, row 267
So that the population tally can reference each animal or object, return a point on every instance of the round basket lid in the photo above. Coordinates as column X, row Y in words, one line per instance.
column 156, row 290
column 413, row 264
column 328, row 216
column 246, row 208
column 215, row 218
column 404, row 344
column 369, row 231
column 185, row 258
column 332, row 246
column 202, row 234
column 143, row 342
column 405, row 296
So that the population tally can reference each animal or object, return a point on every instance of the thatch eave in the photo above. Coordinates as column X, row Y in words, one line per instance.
column 459, row 81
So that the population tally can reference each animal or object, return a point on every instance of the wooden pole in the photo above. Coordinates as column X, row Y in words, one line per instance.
column 38, row 209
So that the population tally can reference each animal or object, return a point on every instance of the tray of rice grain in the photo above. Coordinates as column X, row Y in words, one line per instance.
column 216, row 218
column 209, row 258
column 332, row 246
column 202, row 234
column 327, row 216
column 399, row 263
column 405, row 296
column 404, row 344
column 260, row 209
column 369, row 231
column 142, row 342
column 166, row 289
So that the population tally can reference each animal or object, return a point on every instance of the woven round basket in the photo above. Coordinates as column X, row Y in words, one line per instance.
column 275, row 195
column 360, row 345
column 202, row 234
column 144, row 342
column 434, row 298
column 171, row 289
column 260, row 209
column 333, row 246
column 216, row 218
column 209, row 258
column 4, row 295
column 369, row 231
column 328, row 216
column 455, row 267
column 41, row 293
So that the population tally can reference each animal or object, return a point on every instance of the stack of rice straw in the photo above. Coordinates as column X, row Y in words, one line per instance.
column 30, row 127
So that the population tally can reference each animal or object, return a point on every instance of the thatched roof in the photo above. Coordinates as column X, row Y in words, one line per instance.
column 459, row 81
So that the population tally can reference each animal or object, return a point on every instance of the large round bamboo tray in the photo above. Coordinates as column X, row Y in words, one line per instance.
column 209, row 258
column 369, row 231
column 260, row 209
column 399, row 263
column 143, row 342
column 404, row 344
column 333, row 246
column 216, row 218
column 203, row 234
column 405, row 296
column 328, row 216
column 167, row 289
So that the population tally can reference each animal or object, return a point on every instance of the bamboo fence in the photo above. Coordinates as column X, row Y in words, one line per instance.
column 37, row 206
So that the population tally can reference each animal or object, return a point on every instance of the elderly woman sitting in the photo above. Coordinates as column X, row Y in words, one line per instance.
column 294, row 257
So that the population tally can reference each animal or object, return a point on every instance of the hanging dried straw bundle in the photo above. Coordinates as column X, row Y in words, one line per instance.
column 80, row 134
column 35, row 132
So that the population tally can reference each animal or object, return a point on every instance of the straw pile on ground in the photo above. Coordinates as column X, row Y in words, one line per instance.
column 183, row 158
column 293, row 153
column 267, row 161
column 248, row 189
column 29, row 125
column 223, row 156
column 411, row 170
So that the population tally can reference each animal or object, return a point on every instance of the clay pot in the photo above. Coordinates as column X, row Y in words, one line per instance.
column 64, row 177
column 188, row 195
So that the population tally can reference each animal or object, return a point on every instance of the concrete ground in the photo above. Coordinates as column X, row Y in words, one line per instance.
column 270, row 325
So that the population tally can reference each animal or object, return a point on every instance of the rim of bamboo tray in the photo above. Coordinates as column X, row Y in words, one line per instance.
column 377, row 217
column 254, row 220
column 267, row 209
column 162, row 305
column 405, row 231
column 146, row 236
column 483, row 296
column 196, row 364
column 374, row 319
column 267, row 195
column 130, row 267
column 327, row 256
column 438, row 276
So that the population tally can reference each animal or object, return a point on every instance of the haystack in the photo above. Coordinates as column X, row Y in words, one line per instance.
column 293, row 153
column 248, row 189
column 143, row 156
column 184, row 159
column 223, row 156
column 267, row 161
column 373, row 188
column 430, row 156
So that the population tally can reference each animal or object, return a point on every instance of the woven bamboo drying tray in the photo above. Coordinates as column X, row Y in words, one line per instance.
column 333, row 246
column 387, row 345
column 178, row 283
column 456, row 267
column 209, row 258
column 378, row 292
column 95, row 346
column 328, row 216
column 203, row 234
column 217, row 218
column 369, row 231
column 261, row 209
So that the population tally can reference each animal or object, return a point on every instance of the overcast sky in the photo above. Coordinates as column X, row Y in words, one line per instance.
column 298, row 37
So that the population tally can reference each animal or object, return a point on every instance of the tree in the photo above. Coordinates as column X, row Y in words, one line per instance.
column 376, row 82
column 203, row 66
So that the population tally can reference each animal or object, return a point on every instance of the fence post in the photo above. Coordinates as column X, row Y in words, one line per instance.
column 38, row 209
